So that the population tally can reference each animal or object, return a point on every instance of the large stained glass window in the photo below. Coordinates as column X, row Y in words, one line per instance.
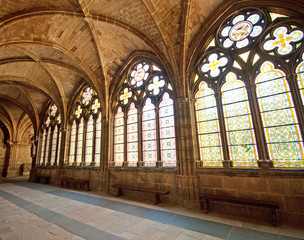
column 280, row 121
column 247, row 102
column 51, row 136
column 239, row 127
column 132, row 139
column 208, row 127
column 144, row 118
column 85, row 136
column 119, row 138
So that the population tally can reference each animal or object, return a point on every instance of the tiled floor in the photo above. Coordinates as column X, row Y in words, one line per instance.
column 37, row 211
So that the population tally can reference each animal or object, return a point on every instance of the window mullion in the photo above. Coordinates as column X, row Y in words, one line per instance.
column 222, row 126
column 125, row 118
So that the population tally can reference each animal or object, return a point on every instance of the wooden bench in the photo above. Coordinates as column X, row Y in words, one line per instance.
column 138, row 189
column 43, row 179
column 205, row 198
column 75, row 183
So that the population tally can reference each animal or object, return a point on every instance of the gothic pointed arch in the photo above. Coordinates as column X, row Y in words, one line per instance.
column 248, row 89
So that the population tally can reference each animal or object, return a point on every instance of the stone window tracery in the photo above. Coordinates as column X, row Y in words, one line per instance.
column 247, row 107
column 144, row 127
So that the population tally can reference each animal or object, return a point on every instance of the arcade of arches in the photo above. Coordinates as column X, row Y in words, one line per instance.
column 191, row 96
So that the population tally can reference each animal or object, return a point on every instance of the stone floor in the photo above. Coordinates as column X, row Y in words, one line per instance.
column 37, row 211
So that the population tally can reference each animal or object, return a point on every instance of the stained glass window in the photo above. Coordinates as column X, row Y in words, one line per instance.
column 98, row 140
column 300, row 76
column 239, row 127
column 89, row 141
column 47, row 147
column 79, row 142
column 149, row 134
column 148, row 126
column 58, row 147
column 280, row 121
column 251, row 46
column 167, row 131
column 208, row 127
column 54, row 145
column 73, row 142
column 132, row 139
column 119, row 138
column 87, row 114
column 43, row 148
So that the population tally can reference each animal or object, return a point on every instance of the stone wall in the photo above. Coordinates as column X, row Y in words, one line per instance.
column 162, row 179
column 282, row 186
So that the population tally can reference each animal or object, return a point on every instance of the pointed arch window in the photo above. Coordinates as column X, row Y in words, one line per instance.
column 51, row 134
column 85, row 132
column 144, row 118
column 248, row 109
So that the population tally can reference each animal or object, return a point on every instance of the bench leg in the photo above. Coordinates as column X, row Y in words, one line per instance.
column 157, row 199
column 205, row 205
column 275, row 217
column 119, row 192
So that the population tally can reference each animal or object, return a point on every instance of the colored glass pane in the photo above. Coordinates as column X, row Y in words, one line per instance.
column 283, row 137
column 156, row 84
column 43, row 147
column 139, row 74
column 149, row 147
column 208, row 127
column 73, row 143
column 47, row 147
column 167, row 132
column 98, row 141
column 300, row 76
column 132, row 132
column 87, row 96
column 126, row 94
column 238, row 122
column 89, row 141
column 282, row 40
column 213, row 64
column 54, row 145
column 58, row 147
column 79, row 142
column 119, row 138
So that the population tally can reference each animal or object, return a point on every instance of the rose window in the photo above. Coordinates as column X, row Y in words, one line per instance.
column 283, row 40
column 87, row 96
column 242, row 30
column 139, row 74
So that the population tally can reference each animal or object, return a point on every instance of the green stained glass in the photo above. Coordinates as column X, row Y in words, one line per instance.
column 283, row 137
column 239, row 127
column 300, row 76
column 208, row 127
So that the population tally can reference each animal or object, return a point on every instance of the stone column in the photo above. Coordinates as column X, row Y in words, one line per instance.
column 187, row 183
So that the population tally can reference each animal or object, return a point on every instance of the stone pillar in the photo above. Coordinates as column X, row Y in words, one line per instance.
column 187, row 183
column 34, row 144
column 11, row 166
